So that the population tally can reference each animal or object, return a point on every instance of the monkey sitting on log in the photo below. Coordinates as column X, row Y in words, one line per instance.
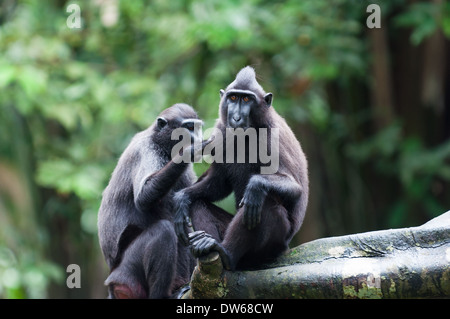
column 270, row 207
column 135, row 220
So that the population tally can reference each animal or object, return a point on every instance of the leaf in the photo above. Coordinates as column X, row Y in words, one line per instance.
column 86, row 181
column 66, row 114
column 7, row 73
column 55, row 173
column 425, row 30
column 32, row 80
column 422, row 17
column 7, row 257
column 446, row 20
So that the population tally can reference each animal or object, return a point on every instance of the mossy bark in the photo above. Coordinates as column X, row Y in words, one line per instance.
column 397, row 263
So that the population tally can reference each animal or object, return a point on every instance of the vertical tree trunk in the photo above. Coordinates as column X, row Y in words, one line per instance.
column 382, row 96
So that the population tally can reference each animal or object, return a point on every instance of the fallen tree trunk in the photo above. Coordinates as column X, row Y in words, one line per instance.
column 398, row 263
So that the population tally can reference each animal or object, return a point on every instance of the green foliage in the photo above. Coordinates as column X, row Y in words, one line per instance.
column 425, row 18
column 71, row 100
column 25, row 277
column 414, row 167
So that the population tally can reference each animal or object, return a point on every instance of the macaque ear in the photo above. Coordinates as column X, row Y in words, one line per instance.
column 161, row 122
column 268, row 98
column 221, row 92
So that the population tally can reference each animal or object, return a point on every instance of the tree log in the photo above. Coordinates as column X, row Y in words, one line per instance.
column 397, row 263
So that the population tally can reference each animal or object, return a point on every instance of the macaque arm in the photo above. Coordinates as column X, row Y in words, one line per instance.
column 158, row 184
column 283, row 186
column 209, row 188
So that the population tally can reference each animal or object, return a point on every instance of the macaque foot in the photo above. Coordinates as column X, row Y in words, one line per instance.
column 203, row 243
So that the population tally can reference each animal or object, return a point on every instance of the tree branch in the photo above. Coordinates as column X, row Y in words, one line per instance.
column 397, row 263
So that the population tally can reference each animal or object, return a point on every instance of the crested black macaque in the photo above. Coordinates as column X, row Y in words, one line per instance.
column 135, row 221
column 270, row 207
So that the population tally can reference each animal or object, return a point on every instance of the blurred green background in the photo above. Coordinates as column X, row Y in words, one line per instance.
column 371, row 108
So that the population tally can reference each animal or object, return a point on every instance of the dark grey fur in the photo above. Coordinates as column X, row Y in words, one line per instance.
column 135, row 221
column 270, row 208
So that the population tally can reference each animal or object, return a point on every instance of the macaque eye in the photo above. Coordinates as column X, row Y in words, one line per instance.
column 233, row 98
column 161, row 122
column 189, row 125
column 246, row 99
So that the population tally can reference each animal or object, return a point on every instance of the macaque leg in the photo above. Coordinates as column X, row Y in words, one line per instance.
column 148, row 266
column 210, row 218
column 241, row 247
